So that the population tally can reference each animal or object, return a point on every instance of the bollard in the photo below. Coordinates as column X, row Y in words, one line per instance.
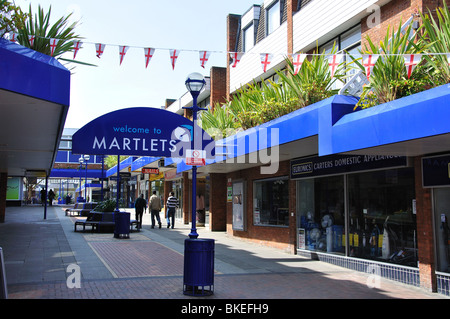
column 3, row 288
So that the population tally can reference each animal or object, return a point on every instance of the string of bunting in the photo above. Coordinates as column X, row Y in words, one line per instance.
column 334, row 60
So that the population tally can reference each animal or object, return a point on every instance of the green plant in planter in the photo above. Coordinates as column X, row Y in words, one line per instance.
column 436, row 36
column 389, row 80
column 108, row 205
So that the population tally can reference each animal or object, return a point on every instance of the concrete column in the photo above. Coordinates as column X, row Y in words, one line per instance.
column 3, row 188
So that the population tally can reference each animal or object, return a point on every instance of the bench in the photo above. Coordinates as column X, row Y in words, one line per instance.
column 81, row 209
column 93, row 219
column 102, row 222
column 107, row 222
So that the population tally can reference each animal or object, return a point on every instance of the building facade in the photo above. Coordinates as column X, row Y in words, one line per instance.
column 364, row 209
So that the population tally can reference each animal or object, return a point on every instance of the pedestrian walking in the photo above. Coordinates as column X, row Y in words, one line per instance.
column 51, row 197
column 155, row 208
column 139, row 206
column 43, row 196
column 172, row 204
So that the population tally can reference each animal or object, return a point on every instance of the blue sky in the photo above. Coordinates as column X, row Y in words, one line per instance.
column 178, row 24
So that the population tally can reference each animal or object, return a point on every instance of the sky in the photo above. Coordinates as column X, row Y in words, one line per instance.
column 188, row 26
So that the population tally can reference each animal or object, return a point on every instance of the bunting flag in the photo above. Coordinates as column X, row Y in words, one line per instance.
column 122, row 51
column 76, row 47
column 148, row 52
column 13, row 36
column 369, row 61
column 31, row 39
column 236, row 56
column 334, row 61
column 99, row 49
column 204, row 56
column 411, row 61
column 297, row 61
column 53, row 44
column 266, row 59
column 173, row 57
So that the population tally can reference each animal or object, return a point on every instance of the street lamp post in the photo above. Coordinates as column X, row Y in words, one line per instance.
column 86, row 159
column 195, row 82
column 81, row 161
column 198, row 278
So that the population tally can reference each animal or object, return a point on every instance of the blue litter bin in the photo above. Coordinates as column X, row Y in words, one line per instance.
column 198, row 267
column 122, row 225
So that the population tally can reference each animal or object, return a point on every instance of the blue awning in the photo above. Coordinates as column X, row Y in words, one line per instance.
column 76, row 173
column 411, row 126
column 34, row 99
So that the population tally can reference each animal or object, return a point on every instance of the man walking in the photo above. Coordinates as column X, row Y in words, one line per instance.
column 155, row 208
column 172, row 204
column 139, row 206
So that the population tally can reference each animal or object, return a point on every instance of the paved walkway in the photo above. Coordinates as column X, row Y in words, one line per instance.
column 39, row 255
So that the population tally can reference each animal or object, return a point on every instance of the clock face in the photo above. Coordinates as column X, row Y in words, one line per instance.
column 182, row 133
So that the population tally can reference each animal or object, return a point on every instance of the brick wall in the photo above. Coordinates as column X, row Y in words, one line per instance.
column 394, row 13
column 218, row 86
column 232, row 32
column 425, row 230
column 217, row 200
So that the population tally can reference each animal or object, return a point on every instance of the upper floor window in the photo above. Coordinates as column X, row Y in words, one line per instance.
column 273, row 17
column 249, row 37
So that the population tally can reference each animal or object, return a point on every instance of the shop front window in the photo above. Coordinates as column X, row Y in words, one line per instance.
column 382, row 221
column 441, row 217
column 321, row 208
column 271, row 202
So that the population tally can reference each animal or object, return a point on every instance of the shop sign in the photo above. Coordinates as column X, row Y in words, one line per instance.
column 436, row 171
column 147, row 170
column 341, row 164
column 141, row 131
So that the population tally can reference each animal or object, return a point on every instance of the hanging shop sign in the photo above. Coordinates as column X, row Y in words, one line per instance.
column 147, row 170
column 436, row 171
column 141, row 131
column 341, row 164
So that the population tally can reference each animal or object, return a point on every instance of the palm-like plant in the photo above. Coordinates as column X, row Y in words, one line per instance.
column 38, row 25
column 219, row 122
column 262, row 102
column 389, row 80
column 436, row 37
column 11, row 17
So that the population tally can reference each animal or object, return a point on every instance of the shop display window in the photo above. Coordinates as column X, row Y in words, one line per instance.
column 271, row 202
column 368, row 215
column 382, row 221
column 441, row 217
column 321, row 207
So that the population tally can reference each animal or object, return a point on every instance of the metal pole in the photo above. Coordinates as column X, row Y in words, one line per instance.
column 118, row 183
column 194, row 234
column 103, row 168
column 46, row 197
column 85, row 184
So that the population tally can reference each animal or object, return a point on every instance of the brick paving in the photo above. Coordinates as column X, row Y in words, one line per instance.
column 139, row 259
column 149, row 265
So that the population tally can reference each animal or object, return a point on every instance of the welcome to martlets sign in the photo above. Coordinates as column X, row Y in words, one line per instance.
column 140, row 131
